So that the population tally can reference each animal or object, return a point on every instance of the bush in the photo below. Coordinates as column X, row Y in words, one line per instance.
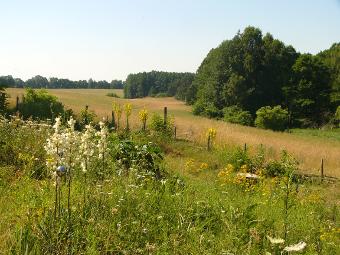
column 286, row 165
column 206, row 109
column 39, row 104
column 337, row 116
column 235, row 114
column 274, row 118
column 157, row 125
column 161, row 94
column 112, row 94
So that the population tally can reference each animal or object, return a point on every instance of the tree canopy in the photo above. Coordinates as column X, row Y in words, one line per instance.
column 158, row 84
column 39, row 81
column 5, row 81
column 252, row 70
column 331, row 58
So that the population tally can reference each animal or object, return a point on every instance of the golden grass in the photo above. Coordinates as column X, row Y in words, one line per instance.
column 309, row 151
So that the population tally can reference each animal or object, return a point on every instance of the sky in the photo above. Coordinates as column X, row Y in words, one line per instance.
column 108, row 39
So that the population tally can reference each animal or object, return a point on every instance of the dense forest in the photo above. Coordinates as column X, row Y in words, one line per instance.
column 158, row 84
column 251, row 71
column 56, row 83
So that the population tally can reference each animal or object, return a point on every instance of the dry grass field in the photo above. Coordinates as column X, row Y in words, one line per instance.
column 308, row 150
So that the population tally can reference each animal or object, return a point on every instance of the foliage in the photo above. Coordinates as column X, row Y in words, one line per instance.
column 134, row 211
column 331, row 57
column 285, row 166
column 158, row 84
column 142, row 160
column 337, row 116
column 274, row 118
column 309, row 94
column 248, row 71
column 5, row 81
column 38, row 82
column 112, row 94
column 21, row 146
column 234, row 114
column 40, row 104
column 253, row 70
column 206, row 109
column 160, row 127
column 86, row 117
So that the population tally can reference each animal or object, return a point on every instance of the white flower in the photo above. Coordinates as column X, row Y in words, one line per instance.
column 275, row 240
column 295, row 247
column 71, row 122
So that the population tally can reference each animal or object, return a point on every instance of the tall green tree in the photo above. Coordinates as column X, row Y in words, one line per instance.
column 331, row 58
column 248, row 71
column 5, row 81
column 309, row 92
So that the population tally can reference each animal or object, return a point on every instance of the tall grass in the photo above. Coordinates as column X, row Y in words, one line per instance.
column 308, row 150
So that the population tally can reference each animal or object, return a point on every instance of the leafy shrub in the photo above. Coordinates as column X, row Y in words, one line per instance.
column 143, row 159
column 22, row 146
column 235, row 114
column 157, row 125
column 112, row 94
column 240, row 158
column 274, row 118
column 337, row 116
column 39, row 104
column 85, row 117
column 286, row 165
column 162, row 94
column 206, row 109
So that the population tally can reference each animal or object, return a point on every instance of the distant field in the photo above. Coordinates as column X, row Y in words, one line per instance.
column 309, row 147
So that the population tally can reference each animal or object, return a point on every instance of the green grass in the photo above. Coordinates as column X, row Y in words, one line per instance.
column 191, row 211
column 309, row 150
column 327, row 134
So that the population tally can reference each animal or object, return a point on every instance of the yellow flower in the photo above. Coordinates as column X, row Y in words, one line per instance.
column 203, row 166
column 143, row 114
column 244, row 169
column 128, row 109
column 211, row 133
column 117, row 108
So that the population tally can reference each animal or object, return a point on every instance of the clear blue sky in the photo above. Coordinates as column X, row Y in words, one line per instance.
column 108, row 39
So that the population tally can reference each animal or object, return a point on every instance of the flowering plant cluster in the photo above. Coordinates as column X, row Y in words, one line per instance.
column 195, row 167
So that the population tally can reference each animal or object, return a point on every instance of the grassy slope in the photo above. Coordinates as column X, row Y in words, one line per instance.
column 309, row 150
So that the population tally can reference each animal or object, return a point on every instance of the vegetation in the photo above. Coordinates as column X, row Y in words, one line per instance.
column 274, row 118
column 251, row 71
column 112, row 94
column 158, row 84
column 331, row 58
column 234, row 114
column 308, row 146
column 5, row 81
column 40, row 82
column 39, row 104
column 128, row 194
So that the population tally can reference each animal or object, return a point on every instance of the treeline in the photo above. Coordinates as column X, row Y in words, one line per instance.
column 251, row 71
column 159, row 84
column 56, row 83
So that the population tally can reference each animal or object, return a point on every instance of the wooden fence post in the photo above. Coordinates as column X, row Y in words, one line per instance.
column 322, row 174
column 17, row 104
column 113, row 119
column 165, row 115
column 209, row 138
column 245, row 147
